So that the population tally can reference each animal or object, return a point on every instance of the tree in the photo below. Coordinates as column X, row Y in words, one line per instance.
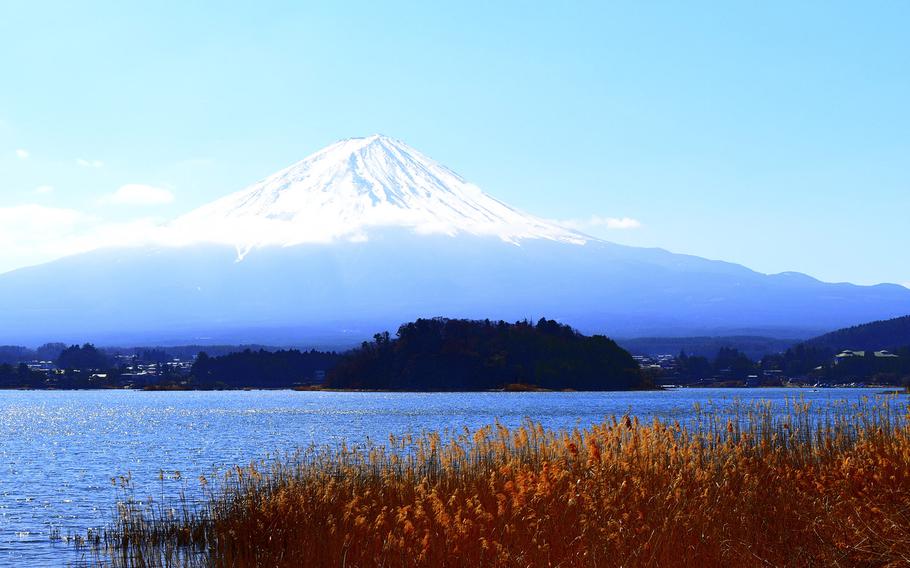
column 732, row 361
column 50, row 351
column 693, row 368
column 85, row 358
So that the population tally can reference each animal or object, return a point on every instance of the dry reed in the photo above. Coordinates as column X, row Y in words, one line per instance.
column 753, row 487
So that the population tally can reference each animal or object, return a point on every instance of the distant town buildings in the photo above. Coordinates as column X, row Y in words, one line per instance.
column 849, row 354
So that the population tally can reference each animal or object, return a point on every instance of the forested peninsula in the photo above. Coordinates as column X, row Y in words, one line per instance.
column 468, row 355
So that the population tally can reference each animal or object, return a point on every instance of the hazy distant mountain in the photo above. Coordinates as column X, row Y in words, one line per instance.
column 369, row 233
column 877, row 335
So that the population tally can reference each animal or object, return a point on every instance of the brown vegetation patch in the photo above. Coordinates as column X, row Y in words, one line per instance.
column 751, row 489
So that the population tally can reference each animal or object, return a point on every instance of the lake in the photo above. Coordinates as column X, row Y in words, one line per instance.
column 60, row 449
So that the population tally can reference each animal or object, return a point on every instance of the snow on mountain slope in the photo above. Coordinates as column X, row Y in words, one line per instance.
column 352, row 186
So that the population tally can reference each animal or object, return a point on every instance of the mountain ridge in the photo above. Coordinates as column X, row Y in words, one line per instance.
column 372, row 270
column 875, row 335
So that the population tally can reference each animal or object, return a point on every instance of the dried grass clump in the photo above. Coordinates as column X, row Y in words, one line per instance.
column 822, row 487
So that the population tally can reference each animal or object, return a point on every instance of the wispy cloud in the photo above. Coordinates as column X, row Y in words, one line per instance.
column 22, row 154
column 44, row 189
column 33, row 216
column 596, row 221
column 90, row 163
column 140, row 194
column 32, row 234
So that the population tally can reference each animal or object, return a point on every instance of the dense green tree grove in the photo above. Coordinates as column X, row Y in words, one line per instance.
column 261, row 369
column 84, row 358
column 455, row 354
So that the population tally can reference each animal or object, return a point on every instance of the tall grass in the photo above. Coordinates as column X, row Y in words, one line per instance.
column 752, row 487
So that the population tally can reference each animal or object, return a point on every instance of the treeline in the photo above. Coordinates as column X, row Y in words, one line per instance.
column 20, row 377
column 84, row 358
column 454, row 354
column 732, row 363
column 446, row 354
column 188, row 352
column 754, row 347
column 428, row 354
column 87, row 357
column 883, row 369
column 822, row 364
column 16, row 354
column 804, row 361
column 262, row 369
column 886, row 334
column 729, row 363
column 87, row 367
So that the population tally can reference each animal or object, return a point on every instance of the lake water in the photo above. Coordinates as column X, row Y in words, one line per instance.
column 59, row 450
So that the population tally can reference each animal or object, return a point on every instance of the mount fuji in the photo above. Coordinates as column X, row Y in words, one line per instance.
column 359, row 184
column 369, row 233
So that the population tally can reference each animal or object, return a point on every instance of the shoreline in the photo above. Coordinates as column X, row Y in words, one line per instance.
column 893, row 389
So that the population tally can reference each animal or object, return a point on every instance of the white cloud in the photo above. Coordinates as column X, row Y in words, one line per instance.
column 622, row 223
column 906, row 284
column 33, row 234
column 22, row 154
column 596, row 221
column 139, row 194
column 36, row 219
column 90, row 163
column 44, row 189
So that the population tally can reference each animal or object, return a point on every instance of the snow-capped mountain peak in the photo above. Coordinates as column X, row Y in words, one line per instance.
column 354, row 186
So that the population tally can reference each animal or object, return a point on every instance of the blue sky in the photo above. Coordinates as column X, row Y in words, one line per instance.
column 772, row 134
